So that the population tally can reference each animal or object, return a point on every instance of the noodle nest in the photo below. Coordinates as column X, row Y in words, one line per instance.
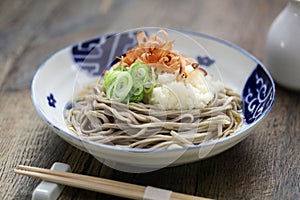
column 137, row 125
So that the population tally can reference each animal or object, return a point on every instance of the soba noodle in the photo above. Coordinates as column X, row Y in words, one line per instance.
column 138, row 125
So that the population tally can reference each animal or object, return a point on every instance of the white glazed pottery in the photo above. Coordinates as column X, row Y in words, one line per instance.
column 283, row 47
column 74, row 66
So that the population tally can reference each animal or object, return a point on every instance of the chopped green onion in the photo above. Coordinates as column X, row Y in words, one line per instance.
column 110, row 77
column 119, row 87
column 137, row 91
column 139, row 71
column 129, row 85
column 148, row 87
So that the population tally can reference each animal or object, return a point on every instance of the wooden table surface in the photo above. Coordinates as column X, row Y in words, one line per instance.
column 266, row 165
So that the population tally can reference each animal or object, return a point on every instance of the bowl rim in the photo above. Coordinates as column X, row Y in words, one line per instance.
column 139, row 150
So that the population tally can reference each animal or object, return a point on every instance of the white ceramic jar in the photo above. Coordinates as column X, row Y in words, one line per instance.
column 283, row 47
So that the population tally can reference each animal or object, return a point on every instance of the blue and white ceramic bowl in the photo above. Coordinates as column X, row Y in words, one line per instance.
column 73, row 67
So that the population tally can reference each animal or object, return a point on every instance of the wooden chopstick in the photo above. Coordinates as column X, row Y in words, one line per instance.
column 116, row 188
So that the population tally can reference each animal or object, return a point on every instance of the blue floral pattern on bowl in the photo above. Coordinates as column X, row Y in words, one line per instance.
column 258, row 95
column 51, row 100
column 205, row 61
column 96, row 55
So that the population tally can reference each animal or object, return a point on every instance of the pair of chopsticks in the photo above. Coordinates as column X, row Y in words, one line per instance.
column 121, row 189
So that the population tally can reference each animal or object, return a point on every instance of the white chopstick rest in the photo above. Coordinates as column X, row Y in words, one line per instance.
column 152, row 193
column 47, row 190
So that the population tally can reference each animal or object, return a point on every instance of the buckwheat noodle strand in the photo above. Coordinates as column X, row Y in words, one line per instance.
column 136, row 125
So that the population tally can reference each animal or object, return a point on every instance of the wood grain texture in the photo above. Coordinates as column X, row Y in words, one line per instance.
column 264, row 166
